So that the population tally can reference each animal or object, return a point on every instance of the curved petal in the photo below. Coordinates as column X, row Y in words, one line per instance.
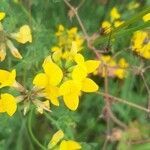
column 79, row 73
column 89, row 85
column 53, row 72
column 52, row 93
column 71, row 101
column 92, row 65
column 8, row 104
column 69, row 145
column 7, row 78
column 40, row 80
column 70, row 87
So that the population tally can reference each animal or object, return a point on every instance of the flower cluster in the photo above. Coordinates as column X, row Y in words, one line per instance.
column 141, row 44
column 69, row 42
column 64, row 144
column 66, row 81
column 115, row 20
column 22, row 36
column 112, row 68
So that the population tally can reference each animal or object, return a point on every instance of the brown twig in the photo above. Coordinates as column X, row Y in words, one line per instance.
column 125, row 102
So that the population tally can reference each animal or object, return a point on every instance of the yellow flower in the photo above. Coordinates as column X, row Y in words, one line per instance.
column 55, row 139
column 69, row 43
column 2, row 15
column 65, row 144
column 60, row 30
column 8, row 104
column 121, row 71
column 146, row 17
column 24, row 35
column 7, row 78
column 114, row 14
column 140, row 44
column 71, row 89
column 49, row 80
column 69, row 145
column 106, row 25
column 145, row 51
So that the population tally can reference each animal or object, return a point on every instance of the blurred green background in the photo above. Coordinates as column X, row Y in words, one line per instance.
column 84, row 125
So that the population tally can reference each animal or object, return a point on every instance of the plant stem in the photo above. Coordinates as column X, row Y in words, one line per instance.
column 31, row 132
column 124, row 102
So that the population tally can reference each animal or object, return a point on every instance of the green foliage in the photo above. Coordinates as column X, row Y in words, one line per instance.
column 84, row 125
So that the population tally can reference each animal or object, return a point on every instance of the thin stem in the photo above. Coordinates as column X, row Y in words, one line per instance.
column 124, row 102
column 78, row 18
column 31, row 132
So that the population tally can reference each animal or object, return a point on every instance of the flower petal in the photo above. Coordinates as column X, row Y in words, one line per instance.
column 55, row 139
column 71, row 101
column 40, row 80
column 92, row 65
column 7, row 78
column 8, row 104
column 69, row 145
column 79, row 73
column 53, row 72
column 52, row 93
column 89, row 85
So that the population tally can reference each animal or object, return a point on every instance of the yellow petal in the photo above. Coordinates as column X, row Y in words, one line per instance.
column 8, row 104
column 79, row 73
column 2, row 15
column 79, row 59
column 52, row 93
column 71, row 101
column 53, row 72
column 114, row 14
column 7, row 78
column 120, row 73
column 69, row 145
column 92, row 65
column 24, row 35
column 146, row 17
column 106, row 26
column 40, row 80
column 89, row 85
column 55, row 139
column 70, row 87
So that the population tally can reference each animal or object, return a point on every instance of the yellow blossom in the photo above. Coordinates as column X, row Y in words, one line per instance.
column 71, row 89
column 69, row 42
column 114, row 14
column 69, row 145
column 146, row 17
column 7, row 78
column 64, row 144
column 2, row 15
column 7, row 104
column 24, row 35
column 140, row 44
column 55, row 139
column 106, row 25
column 49, row 80
column 120, row 72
